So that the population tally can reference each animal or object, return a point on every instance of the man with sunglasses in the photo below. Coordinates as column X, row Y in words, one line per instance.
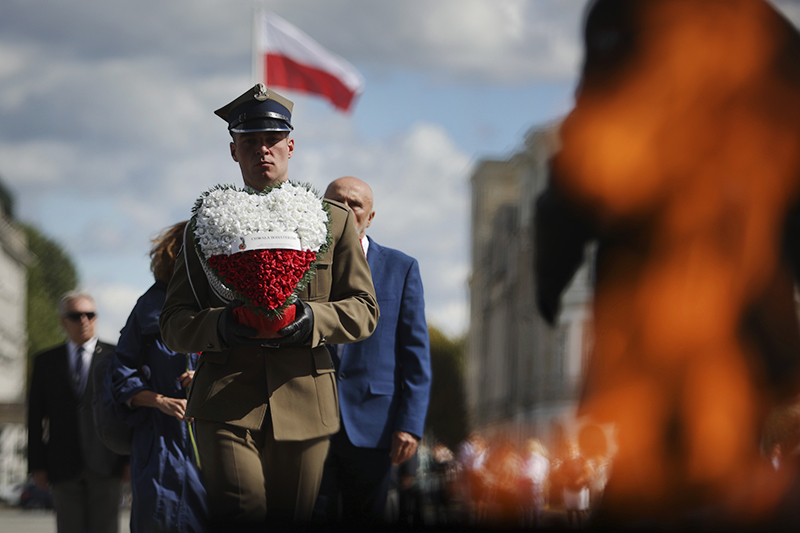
column 64, row 451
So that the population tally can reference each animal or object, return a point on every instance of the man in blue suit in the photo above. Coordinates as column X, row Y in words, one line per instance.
column 384, row 381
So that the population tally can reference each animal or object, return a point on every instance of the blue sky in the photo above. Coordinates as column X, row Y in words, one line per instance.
column 107, row 132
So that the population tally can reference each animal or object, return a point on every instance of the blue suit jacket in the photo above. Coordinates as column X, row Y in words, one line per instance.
column 385, row 380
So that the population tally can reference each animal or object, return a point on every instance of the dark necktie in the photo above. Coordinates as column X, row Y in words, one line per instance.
column 79, row 370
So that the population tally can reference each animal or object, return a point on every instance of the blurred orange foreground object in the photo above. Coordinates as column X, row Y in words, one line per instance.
column 683, row 153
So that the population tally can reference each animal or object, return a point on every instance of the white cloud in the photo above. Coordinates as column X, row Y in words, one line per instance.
column 480, row 40
column 114, row 304
column 36, row 163
column 472, row 35
column 472, row 41
column 13, row 60
column 790, row 8
column 448, row 319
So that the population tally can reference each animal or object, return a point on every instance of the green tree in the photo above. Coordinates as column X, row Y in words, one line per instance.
column 51, row 275
column 6, row 201
column 447, row 412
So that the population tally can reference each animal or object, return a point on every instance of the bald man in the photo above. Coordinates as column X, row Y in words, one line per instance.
column 384, row 381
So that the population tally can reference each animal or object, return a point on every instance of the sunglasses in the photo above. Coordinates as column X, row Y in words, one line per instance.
column 76, row 317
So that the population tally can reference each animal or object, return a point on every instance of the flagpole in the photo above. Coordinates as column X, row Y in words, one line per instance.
column 257, row 63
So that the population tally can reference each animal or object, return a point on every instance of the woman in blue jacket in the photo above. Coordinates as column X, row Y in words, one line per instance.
column 146, row 386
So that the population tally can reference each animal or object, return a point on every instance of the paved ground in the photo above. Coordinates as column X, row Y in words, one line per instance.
column 15, row 520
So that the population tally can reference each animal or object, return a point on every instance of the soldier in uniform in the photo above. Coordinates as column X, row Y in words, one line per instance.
column 264, row 410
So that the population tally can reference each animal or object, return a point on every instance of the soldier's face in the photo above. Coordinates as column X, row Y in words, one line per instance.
column 263, row 157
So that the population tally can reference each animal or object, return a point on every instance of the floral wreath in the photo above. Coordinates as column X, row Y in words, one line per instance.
column 260, row 247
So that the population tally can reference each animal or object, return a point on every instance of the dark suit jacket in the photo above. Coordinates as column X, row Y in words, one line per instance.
column 385, row 380
column 70, row 442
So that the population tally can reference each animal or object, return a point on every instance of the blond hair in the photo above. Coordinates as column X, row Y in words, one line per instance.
column 166, row 247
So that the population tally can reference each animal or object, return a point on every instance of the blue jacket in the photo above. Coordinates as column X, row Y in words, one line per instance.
column 384, row 381
column 168, row 494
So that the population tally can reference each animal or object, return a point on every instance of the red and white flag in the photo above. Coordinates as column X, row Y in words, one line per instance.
column 287, row 57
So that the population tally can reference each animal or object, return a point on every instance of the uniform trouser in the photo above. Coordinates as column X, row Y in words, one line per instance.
column 250, row 477
column 87, row 504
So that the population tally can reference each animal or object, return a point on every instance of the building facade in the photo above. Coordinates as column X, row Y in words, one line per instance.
column 14, row 261
column 522, row 375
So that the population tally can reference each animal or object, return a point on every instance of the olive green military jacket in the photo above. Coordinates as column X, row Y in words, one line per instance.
column 297, row 386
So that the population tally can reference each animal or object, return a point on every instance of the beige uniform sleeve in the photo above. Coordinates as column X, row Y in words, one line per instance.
column 186, row 325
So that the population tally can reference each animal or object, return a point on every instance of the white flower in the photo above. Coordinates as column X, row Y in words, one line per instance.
column 222, row 215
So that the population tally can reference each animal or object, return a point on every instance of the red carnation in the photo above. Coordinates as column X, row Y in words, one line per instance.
column 267, row 278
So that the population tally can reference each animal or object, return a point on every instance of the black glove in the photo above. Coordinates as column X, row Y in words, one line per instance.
column 232, row 332
column 299, row 331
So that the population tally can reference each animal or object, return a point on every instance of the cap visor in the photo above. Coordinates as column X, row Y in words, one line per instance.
column 266, row 124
